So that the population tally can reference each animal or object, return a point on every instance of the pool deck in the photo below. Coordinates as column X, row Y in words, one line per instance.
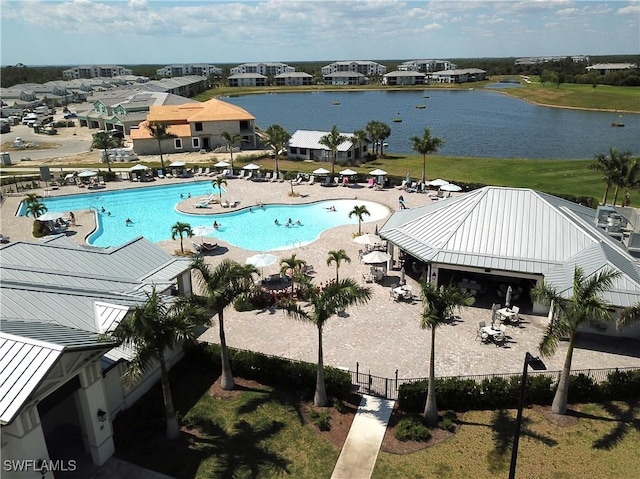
column 382, row 336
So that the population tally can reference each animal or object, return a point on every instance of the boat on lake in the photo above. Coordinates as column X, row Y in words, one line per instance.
column 336, row 103
column 420, row 107
column 617, row 123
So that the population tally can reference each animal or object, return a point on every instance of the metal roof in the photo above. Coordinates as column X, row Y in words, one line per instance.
column 28, row 351
column 310, row 139
column 512, row 229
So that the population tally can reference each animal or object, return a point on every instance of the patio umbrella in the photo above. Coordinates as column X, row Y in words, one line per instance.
column 450, row 187
column 507, row 297
column 261, row 260
column 50, row 216
column 376, row 257
column 494, row 313
column 177, row 164
column 321, row 171
column 438, row 182
column 222, row 164
column 139, row 167
column 202, row 231
column 348, row 172
column 87, row 173
column 251, row 166
column 367, row 238
column 402, row 273
column 378, row 172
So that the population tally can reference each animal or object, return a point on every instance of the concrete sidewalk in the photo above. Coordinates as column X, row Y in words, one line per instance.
column 360, row 450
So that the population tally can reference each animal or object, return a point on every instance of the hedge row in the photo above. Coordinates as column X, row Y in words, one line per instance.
column 466, row 394
column 274, row 371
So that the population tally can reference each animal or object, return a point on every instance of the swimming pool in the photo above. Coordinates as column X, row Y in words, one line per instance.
column 152, row 211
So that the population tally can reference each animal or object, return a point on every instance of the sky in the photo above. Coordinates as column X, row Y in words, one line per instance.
column 80, row 32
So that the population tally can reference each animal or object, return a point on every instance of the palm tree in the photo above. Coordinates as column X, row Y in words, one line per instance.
column 103, row 141
column 630, row 179
column 332, row 141
column 221, row 286
column 628, row 316
column 439, row 305
column 31, row 198
column 569, row 314
column 295, row 265
column 35, row 208
column 359, row 211
column 231, row 140
column 360, row 136
column 276, row 138
column 218, row 182
column 149, row 330
column 160, row 131
column 178, row 229
column 425, row 145
column 337, row 257
column 378, row 132
column 610, row 166
column 321, row 305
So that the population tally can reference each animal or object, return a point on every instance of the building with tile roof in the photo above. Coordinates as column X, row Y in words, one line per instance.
column 196, row 126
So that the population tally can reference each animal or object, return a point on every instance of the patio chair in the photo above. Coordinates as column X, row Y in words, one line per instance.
column 481, row 334
column 499, row 339
column 515, row 319
column 196, row 247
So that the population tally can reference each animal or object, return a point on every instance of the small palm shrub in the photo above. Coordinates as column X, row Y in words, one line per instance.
column 411, row 428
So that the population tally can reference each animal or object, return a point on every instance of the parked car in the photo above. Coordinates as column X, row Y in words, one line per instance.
column 70, row 115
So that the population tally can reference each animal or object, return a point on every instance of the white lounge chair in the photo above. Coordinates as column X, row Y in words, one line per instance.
column 249, row 176
column 312, row 180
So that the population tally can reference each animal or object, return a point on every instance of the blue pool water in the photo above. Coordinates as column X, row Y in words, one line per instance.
column 152, row 211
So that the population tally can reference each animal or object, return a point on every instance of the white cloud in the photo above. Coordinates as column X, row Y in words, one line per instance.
column 432, row 26
column 629, row 10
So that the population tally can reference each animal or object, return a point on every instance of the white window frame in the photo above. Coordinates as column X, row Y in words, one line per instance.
column 195, row 142
column 177, row 143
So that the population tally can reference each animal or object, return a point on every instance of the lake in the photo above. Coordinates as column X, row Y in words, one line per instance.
column 472, row 122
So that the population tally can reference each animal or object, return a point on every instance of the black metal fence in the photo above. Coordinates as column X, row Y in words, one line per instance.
column 367, row 383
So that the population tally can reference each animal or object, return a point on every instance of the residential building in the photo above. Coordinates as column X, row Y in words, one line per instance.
column 606, row 68
column 403, row 78
column 305, row 145
column 529, row 61
column 344, row 78
column 426, row 66
column 247, row 79
column 458, row 76
column 294, row 79
column 185, row 69
column 93, row 71
column 197, row 126
column 366, row 68
column 123, row 109
column 266, row 68
column 60, row 380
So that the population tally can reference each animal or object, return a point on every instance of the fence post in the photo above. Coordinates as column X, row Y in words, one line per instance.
column 357, row 371
column 386, row 388
column 396, row 380
column 370, row 381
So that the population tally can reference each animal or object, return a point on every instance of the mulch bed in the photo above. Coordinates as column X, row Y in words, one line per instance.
column 560, row 420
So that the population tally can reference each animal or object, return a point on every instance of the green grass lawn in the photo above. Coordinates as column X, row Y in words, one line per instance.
column 603, row 444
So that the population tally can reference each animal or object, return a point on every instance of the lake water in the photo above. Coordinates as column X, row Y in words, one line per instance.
column 472, row 122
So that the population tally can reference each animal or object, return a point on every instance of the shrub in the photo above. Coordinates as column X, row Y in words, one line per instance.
column 621, row 385
column 499, row 392
column 583, row 389
column 540, row 389
column 339, row 406
column 412, row 396
column 458, row 394
column 321, row 419
column 411, row 428
column 448, row 421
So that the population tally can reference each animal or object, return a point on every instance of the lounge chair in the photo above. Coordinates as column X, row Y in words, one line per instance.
column 281, row 177
column 201, row 204
column 267, row 177
column 370, row 183
column 241, row 174
column 197, row 247
column 209, row 246
column 249, row 176
column 274, row 177
column 312, row 180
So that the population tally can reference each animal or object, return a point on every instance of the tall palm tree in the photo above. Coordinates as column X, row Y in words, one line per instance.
column 31, row 198
column 585, row 304
column 160, row 131
column 332, row 141
column 179, row 229
column 630, row 179
column 359, row 211
column 231, row 140
column 321, row 305
column 152, row 328
column 611, row 167
column 361, row 137
column 425, row 145
column 295, row 265
column 103, row 141
column 35, row 208
column 218, row 182
column 439, row 304
column 276, row 138
column 221, row 286
column 378, row 132
column 337, row 256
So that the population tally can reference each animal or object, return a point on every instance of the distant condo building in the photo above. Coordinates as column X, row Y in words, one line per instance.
column 540, row 60
column 426, row 66
column 266, row 68
column 96, row 71
column 363, row 67
column 184, row 69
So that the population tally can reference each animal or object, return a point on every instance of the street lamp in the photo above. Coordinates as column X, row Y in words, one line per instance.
column 537, row 365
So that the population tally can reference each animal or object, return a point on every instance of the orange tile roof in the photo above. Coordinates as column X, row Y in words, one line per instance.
column 143, row 133
column 212, row 110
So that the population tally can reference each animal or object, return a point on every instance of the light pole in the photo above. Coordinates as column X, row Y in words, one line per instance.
column 537, row 365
